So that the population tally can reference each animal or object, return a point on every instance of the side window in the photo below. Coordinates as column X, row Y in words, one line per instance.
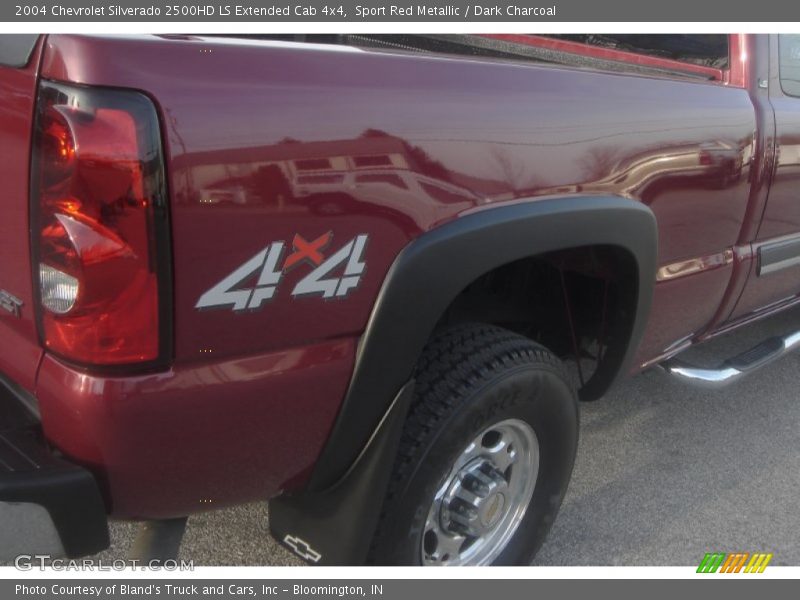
column 789, row 52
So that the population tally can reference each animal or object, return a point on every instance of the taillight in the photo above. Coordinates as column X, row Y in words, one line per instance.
column 99, row 226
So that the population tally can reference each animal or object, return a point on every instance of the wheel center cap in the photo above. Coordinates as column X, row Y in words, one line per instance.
column 492, row 510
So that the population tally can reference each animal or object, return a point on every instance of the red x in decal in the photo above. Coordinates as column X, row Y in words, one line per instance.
column 305, row 250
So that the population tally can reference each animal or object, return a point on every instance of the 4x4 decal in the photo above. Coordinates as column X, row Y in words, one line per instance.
column 332, row 277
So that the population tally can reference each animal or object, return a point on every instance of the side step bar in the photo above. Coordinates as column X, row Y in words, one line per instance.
column 734, row 368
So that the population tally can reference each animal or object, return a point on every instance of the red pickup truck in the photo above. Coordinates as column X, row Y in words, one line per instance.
column 368, row 278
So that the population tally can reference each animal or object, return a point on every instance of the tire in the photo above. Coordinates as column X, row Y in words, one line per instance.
column 480, row 391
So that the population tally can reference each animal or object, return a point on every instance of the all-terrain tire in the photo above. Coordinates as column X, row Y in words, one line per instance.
column 469, row 379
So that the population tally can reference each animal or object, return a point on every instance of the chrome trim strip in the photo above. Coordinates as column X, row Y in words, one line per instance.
column 690, row 266
column 779, row 254
column 778, row 266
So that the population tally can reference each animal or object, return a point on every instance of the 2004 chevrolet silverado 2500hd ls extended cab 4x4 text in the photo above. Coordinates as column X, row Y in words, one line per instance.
column 346, row 273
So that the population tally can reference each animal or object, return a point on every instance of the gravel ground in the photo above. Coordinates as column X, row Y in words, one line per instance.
column 665, row 473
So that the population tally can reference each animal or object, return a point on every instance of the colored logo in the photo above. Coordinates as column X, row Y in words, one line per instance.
column 737, row 562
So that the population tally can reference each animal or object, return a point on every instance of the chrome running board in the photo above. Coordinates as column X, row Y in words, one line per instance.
column 734, row 368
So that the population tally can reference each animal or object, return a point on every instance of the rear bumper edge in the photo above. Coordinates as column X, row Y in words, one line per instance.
column 48, row 505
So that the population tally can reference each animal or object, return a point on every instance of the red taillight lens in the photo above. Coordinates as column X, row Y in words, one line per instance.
column 99, row 226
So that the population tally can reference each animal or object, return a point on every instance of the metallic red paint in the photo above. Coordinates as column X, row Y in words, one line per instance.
column 266, row 140
column 20, row 351
column 524, row 131
column 194, row 438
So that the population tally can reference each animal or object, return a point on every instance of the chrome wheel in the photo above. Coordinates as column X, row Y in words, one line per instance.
column 484, row 497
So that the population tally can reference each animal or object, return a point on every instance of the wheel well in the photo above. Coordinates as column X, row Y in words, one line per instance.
column 577, row 302
column 429, row 283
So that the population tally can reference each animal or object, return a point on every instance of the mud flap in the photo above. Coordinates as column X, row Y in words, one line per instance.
column 335, row 526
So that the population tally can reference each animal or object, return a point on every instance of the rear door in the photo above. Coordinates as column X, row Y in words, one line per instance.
column 775, row 279
column 19, row 347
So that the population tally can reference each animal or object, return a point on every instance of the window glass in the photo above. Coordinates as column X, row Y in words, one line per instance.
column 375, row 160
column 790, row 63
column 312, row 164
column 389, row 178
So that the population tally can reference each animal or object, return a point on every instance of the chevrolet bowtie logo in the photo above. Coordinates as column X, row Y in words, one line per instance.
column 301, row 548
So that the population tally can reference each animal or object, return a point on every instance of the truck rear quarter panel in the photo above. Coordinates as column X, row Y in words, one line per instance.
column 492, row 131
column 266, row 140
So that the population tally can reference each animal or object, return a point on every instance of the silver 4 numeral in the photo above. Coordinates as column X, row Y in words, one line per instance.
column 225, row 294
column 319, row 282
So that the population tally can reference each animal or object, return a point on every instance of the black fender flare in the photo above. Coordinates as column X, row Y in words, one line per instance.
column 431, row 271
column 332, row 521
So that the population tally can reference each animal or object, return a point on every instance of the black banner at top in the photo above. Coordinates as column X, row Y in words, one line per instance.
column 353, row 11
